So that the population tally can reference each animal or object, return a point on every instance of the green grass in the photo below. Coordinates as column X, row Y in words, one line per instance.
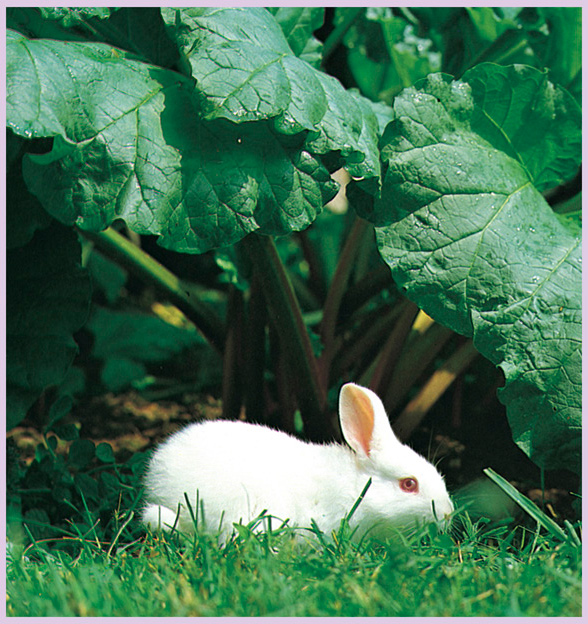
column 476, row 571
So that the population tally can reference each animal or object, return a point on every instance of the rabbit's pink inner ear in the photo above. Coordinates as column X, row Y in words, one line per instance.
column 357, row 418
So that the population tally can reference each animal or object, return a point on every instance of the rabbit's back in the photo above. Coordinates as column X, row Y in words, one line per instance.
column 239, row 470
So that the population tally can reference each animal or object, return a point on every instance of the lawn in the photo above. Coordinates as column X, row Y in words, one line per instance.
column 477, row 570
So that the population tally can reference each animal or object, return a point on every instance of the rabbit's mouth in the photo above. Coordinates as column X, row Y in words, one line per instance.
column 443, row 513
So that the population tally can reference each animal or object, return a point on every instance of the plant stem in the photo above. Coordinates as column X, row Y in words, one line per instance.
column 180, row 292
column 285, row 395
column 233, row 369
column 335, row 296
column 412, row 362
column 363, row 343
column 393, row 346
column 285, row 312
column 439, row 381
column 336, row 36
column 315, row 267
column 370, row 285
column 254, row 356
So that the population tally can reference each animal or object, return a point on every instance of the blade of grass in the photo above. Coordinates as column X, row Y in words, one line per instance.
column 344, row 533
column 119, row 533
column 193, row 516
column 93, row 525
column 315, row 529
column 572, row 533
column 359, row 499
column 526, row 504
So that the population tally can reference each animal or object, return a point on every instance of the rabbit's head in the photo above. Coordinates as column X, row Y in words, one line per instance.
column 405, row 487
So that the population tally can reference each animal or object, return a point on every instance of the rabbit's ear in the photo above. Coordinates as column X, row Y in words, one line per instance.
column 356, row 415
column 364, row 422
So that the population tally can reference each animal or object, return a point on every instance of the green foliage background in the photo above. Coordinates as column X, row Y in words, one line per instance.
column 205, row 127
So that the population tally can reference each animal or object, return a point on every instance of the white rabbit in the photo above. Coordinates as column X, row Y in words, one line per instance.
column 237, row 470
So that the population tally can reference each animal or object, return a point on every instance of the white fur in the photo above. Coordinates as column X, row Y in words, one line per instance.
column 238, row 470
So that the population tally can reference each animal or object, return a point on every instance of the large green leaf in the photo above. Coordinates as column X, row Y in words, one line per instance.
column 473, row 242
column 246, row 71
column 24, row 213
column 465, row 35
column 69, row 17
column 55, row 23
column 127, row 341
column 139, row 30
column 298, row 25
column 48, row 297
column 557, row 41
column 524, row 115
column 137, row 336
column 243, row 65
column 129, row 144
column 543, row 37
column 384, row 54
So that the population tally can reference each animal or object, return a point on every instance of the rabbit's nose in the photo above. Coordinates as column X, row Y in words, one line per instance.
column 442, row 510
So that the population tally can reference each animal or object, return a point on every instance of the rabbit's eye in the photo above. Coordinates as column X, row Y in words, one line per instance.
column 409, row 484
